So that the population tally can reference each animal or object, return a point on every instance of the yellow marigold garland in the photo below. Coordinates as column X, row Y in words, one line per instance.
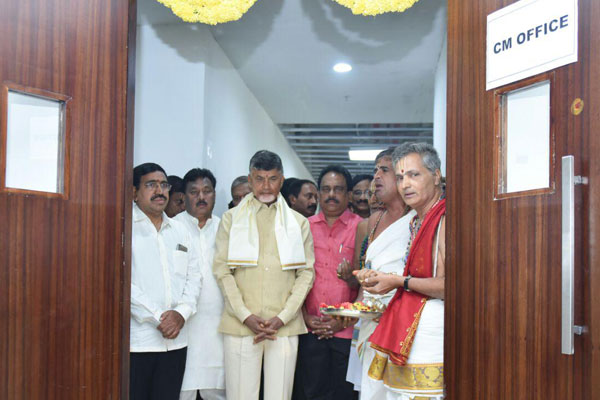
column 375, row 7
column 208, row 11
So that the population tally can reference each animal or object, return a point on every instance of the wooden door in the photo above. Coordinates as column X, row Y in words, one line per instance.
column 503, row 280
column 65, row 260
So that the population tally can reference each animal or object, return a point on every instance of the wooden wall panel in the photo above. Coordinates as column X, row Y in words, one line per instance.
column 503, row 280
column 64, row 271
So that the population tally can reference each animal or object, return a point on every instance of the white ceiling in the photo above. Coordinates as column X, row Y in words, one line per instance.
column 284, row 51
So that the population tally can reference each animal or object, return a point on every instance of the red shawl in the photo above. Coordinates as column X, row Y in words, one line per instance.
column 396, row 330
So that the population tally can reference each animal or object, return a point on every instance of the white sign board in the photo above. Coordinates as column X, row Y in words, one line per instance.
column 530, row 37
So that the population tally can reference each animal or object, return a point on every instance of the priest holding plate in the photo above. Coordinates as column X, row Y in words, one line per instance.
column 410, row 336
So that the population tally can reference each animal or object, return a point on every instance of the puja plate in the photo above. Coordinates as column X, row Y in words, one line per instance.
column 337, row 312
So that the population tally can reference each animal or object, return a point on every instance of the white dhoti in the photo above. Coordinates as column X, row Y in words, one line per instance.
column 354, row 373
column 423, row 375
column 205, row 365
column 387, row 254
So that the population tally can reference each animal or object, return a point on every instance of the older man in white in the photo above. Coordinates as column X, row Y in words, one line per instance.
column 204, row 370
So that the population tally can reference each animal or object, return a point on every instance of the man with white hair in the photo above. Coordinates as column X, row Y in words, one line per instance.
column 410, row 336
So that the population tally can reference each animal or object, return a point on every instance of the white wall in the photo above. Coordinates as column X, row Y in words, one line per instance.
column 194, row 110
column 169, row 101
column 439, row 105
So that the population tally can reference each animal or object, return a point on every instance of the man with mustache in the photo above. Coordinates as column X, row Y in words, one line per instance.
column 388, row 235
column 264, row 266
column 361, row 192
column 165, row 285
column 303, row 197
column 204, row 369
column 323, row 353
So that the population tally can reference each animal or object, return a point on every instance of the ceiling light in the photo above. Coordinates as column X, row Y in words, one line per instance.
column 342, row 67
column 363, row 155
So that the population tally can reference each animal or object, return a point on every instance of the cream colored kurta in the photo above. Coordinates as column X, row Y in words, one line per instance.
column 265, row 290
column 204, row 368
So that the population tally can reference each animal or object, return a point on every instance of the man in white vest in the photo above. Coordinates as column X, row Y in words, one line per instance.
column 264, row 265
column 204, row 369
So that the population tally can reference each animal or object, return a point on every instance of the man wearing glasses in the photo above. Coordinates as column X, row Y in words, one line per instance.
column 361, row 193
column 165, row 285
column 204, row 369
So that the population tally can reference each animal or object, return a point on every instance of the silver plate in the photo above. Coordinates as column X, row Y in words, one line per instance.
column 350, row 313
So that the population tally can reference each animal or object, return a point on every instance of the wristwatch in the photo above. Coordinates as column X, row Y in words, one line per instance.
column 406, row 283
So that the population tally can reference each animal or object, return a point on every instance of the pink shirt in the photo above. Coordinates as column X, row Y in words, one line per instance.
column 332, row 245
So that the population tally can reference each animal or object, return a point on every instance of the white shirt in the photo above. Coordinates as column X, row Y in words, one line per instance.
column 204, row 368
column 165, row 275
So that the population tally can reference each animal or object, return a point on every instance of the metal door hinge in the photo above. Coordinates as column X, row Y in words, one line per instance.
column 579, row 330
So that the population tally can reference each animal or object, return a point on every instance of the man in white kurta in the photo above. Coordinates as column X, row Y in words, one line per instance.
column 204, row 368
column 165, row 283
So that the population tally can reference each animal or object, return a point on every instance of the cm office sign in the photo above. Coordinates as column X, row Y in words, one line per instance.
column 530, row 37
